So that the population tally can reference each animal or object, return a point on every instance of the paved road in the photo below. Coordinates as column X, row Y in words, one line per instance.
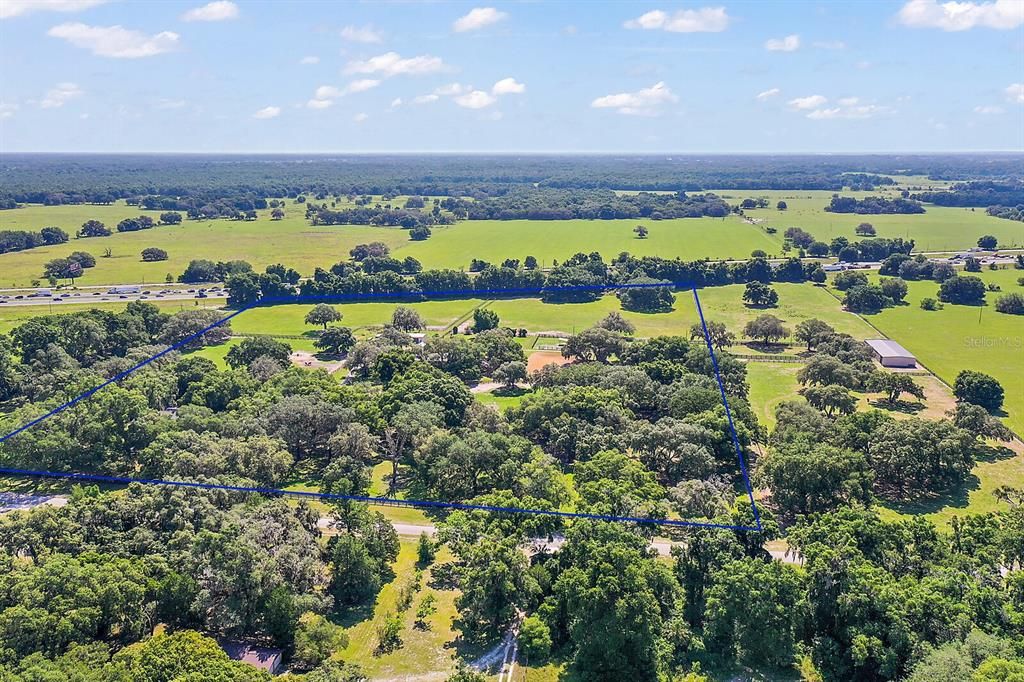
column 106, row 298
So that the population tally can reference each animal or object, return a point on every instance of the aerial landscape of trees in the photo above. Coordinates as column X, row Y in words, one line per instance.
column 844, row 580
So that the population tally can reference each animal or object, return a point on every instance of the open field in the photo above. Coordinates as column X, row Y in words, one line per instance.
column 262, row 242
column 496, row 240
column 422, row 650
column 964, row 337
column 939, row 228
column 289, row 319
column 295, row 243
column 771, row 383
column 12, row 316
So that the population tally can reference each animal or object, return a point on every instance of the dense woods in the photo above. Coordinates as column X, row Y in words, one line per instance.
column 240, row 181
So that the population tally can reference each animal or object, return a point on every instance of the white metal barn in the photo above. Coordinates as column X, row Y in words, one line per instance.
column 891, row 354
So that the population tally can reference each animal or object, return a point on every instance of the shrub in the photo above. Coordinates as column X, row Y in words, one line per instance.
column 978, row 388
column 153, row 254
column 1011, row 304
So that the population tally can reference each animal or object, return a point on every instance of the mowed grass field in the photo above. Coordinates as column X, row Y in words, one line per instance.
column 547, row 240
column 297, row 244
column 965, row 337
column 939, row 228
column 262, row 242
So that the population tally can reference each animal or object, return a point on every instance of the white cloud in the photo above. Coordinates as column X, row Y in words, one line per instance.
column 325, row 93
column 642, row 102
column 508, row 86
column 809, row 102
column 362, row 34
column 848, row 101
column 361, row 85
column 854, row 112
column 220, row 10
column 396, row 102
column 310, row 59
column 328, row 92
column 16, row 8
column 790, row 43
column 425, row 99
column 452, row 89
column 392, row 64
column 478, row 18
column 962, row 16
column 988, row 109
column 360, row 117
column 115, row 41
column 768, row 94
column 267, row 112
column 7, row 110
column 59, row 95
column 703, row 20
column 1015, row 93
column 476, row 99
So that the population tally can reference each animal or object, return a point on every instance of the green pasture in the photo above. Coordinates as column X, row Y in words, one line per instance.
column 547, row 240
column 965, row 337
column 13, row 315
column 771, row 383
column 292, row 241
column 290, row 319
column 939, row 228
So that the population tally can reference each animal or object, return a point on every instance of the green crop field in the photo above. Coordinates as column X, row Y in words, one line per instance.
column 939, row 228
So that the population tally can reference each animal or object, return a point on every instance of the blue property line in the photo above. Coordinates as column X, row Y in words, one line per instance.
column 388, row 500
column 728, row 413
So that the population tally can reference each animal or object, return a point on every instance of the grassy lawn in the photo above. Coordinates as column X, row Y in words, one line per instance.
column 501, row 398
column 289, row 319
column 964, row 337
column 496, row 240
column 422, row 650
column 292, row 241
column 12, row 316
column 771, row 383
column 937, row 229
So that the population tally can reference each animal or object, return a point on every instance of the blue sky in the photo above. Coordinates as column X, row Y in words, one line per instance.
column 245, row 76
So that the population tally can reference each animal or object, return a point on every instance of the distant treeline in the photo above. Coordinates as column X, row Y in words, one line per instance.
column 551, row 204
column 565, row 282
column 20, row 240
column 1007, row 212
column 376, row 215
column 86, row 178
column 873, row 205
column 976, row 194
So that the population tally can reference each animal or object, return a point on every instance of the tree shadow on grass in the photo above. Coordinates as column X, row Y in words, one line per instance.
column 513, row 392
column 901, row 406
column 993, row 453
column 958, row 497
column 766, row 348
column 353, row 615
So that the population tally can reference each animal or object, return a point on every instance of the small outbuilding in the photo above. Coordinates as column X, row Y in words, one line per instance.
column 264, row 658
column 891, row 354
